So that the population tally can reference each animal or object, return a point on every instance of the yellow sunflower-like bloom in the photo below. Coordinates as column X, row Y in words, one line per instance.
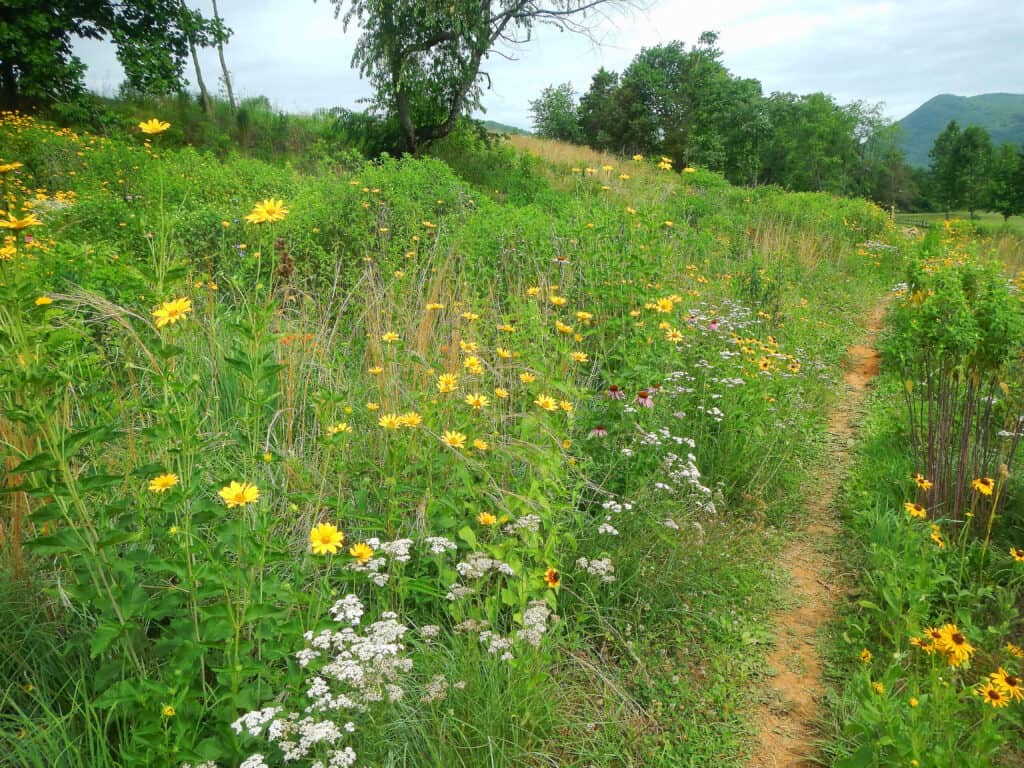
column 12, row 222
column 162, row 483
column 171, row 312
column 454, row 439
column 239, row 494
column 267, row 211
column 325, row 539
column 153, row 126
column 361, row 552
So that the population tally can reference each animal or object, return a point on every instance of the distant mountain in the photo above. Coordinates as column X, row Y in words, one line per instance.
column 1001, row 113
column 494, row 127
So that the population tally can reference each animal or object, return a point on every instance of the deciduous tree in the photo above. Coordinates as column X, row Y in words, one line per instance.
column 555, row 114
column 425, row 57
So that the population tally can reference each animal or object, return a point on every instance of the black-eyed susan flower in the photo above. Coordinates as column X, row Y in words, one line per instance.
column 984, row 485
column 915, row 510
column 936, row 536
column 325, row 539
column 342, row 427
column 922, row 482
column 865, row 656
column 172, row 311
column 1017, row 554
column 955, row 645
column 1013, row 685
column 162, row 483
column 237, row 494
column 1015, row 650
column 168, row 711
column 993, row 695
column 878, row 687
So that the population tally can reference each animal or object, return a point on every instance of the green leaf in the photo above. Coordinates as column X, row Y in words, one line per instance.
column 98, row 481
column 64, row 540
column 468, row 535
column 862, row 758
column 114, row 538
column 38, row 462
column 104, row 635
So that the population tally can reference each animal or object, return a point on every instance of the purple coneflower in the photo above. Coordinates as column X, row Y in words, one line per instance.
column 615, row 393
column 599, row 431
column 644, row 399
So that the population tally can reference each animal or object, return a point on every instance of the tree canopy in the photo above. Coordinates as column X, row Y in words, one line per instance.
column 424, row 57
column 38, row 65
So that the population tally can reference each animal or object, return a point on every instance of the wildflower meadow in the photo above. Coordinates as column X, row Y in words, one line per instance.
column 484, row 458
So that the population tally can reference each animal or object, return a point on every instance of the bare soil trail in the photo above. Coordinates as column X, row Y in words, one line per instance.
column 786, row 721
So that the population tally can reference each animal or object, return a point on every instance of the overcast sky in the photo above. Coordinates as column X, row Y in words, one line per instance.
column 899, row 52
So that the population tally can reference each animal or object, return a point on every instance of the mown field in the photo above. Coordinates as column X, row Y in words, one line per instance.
column 984, row 221
column 480, row 459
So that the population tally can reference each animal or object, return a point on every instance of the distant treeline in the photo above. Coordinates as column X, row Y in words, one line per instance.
column 685, row 105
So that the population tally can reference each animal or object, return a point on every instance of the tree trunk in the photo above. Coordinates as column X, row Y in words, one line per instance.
column 223, row 64
column 409, row 143
column 8, row 86
column 204, row 95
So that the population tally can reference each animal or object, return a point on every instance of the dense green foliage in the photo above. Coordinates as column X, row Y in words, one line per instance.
column 685, row 105
column 927, row 658
column 968, row 172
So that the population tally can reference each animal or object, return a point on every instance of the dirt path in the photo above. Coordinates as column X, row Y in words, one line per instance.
column 786, row 722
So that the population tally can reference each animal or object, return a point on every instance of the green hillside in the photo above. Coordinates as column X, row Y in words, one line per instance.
column 1001, row 113
column 496, row 127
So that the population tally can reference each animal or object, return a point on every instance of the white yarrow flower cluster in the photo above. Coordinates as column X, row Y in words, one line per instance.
column 535, row 623
column 438, row 545
column 478, row 564
column 353, row 671
column 529, row 523
column 601, row 567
